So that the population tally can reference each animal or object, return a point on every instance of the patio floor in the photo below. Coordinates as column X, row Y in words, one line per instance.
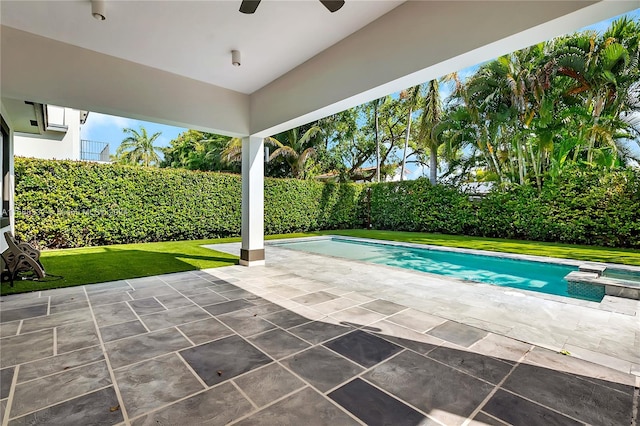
column 307, row 340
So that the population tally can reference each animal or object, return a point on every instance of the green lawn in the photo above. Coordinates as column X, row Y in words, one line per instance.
column 109, row 263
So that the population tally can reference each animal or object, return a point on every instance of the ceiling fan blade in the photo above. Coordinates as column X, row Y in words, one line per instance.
column 332, row 5
column 249, row 6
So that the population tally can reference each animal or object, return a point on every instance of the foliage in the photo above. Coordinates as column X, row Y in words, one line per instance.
column 138, row 149
column 62, row 204
column 194, row 150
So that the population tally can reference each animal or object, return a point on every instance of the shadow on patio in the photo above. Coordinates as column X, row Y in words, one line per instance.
column 192, row 348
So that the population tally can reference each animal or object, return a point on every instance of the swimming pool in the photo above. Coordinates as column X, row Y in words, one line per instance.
column 523, row 274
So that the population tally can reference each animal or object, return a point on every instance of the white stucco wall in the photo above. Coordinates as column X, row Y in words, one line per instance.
column 3, row 243
column 51, row 144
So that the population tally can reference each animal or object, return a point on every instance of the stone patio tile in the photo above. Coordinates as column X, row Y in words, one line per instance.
column 6, row 376
column 148, row 292
column 63, row 298
column 357, row 316
column 314, row 298
column 245, row 324
column 205, row 330
column 580, row 399
column 487, row 368
column 305, row 407
column 122, row 330
column 501, row 347
column 8, row 315
column 286, row 319
column 582, row 369
column 9, row 329
column 410, row 339
column 173, row 317
column 59, row 363
column 619, row 350
column 416, row 320
column 518, row 411
column 237, row 293
column 319, row 331
column 174, row 301
column 482, row 419
column 224, row 286
column 26, row 347
column 113, row 314
column 217, row 406
column 76, row 336
column 599, row 358
column 40, row 393
column 268, row 383
column 384, row 307
column 278, row 343
column 134, row 349
column 286, row 291
column 16, row 301
column 375, row 407
column 335, row 305
column 90, row 409
column 226, row 307
column 147, row 386
column 56, row 320
column 105, row 287
column 145, row 282
column 224, row 359
column 543, row 335
column 146, row 306
column 108, row 298
column 266, row 308
column 457, row 333
column 208, row 298
column 66, row 307
column 358, row 297
column 322, row 368
column 446, row 394
column 363, row 348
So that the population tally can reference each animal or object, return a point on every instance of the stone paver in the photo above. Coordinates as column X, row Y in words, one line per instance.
column 298, row 343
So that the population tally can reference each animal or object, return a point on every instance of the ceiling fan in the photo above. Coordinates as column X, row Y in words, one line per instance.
column 250, row 6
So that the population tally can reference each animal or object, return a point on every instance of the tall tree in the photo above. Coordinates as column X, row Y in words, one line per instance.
column 138, row 148
column 294, row 150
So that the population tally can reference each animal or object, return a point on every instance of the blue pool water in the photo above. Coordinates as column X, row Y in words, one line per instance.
column 536, row 276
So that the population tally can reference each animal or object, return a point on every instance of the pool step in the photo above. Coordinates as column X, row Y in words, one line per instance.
column 583, row 283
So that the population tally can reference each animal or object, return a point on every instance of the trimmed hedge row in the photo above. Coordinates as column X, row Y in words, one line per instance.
column 70, row 204
column 586, row 206
column 62, row 204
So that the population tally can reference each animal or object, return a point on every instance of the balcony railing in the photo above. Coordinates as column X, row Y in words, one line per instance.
column 94, row 151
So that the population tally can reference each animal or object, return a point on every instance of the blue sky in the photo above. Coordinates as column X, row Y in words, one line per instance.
column 108, row 128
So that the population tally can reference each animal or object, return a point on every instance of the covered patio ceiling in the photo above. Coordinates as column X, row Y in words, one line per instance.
column 170, row 61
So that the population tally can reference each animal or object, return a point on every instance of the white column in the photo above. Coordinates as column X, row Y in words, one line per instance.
column 252, row 251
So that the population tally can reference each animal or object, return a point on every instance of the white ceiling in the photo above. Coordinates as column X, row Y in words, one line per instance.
column 170, row 61
column 195, row 41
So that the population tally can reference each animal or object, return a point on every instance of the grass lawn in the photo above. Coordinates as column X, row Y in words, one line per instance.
column 116, row 262
column 90, row 265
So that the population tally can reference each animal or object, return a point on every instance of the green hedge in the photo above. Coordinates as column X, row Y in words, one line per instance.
column 63, row 204
column 71, row 204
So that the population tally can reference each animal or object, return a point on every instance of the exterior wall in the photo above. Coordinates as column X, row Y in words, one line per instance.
column 52, row 144
column 9, row 145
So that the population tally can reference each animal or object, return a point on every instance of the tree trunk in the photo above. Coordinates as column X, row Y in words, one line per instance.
column 406, row 145
column 375, row 110
column 433, row 163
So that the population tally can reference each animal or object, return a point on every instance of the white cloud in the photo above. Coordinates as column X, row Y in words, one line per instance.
column 96, row 123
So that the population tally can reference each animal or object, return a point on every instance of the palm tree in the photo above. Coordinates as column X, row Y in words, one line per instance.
column 137, row 148
column 412, row 97
column 294, row 150
column 430, row 118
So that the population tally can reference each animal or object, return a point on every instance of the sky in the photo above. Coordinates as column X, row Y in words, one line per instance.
column 108, row 128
